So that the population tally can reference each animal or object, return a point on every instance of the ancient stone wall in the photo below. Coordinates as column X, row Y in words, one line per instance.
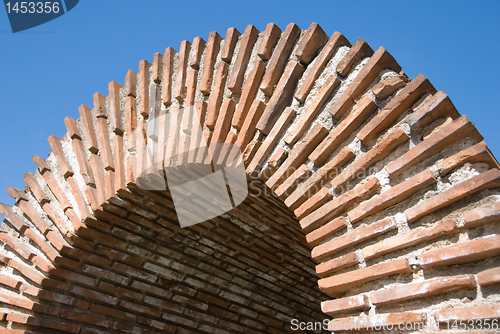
column 371, row 200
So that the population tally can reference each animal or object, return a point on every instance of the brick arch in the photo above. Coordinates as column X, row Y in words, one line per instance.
column 383, row 196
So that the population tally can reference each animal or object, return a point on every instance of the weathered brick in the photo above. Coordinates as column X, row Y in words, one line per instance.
column 182, row 65
column 483, row 215
column 487, row 312
column 392, row 196
column 488, row 276
column 336, row 41
column 338, row 284
column 213, row 47
column 144, row 68
column 269, row 39
column 375, row 321
column 274, row 162
column 380, row 61
column 352, row 303
column 115, row 113
column 230, row 41
column 247, row 130
column 358, row 51
column 387, row 87
column 352, row 238
column 277, row 62
column 131, row 83
column 306, row 118
column 469, row 251
column 217, row 94
column 316, row 236
column 88, row 128
column 310, row 43
column 489, row 179
column 197, row 49
column 240, row 65
column 105, row 144
column 223, row 123
column 432, row 108
column 287, row 186
column 327, row 268
column 72, row 128
column 100, row 105
column 409, row 239
column 168, row 71
column 478, row 152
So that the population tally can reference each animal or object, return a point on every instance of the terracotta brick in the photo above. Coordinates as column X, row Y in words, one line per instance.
column 168, row 71
column 310, row 43
column 377, row 153
column 72, row 128
column 182, row 65
column 489, row 276
column 98, row 172
column 191, row 82
column 483, row 215
column 489, row 179
column 410, row 239
column 358, row 51
column 323, row 175
column 352, row 238
column 281, row 96
column 316, row 236
column 395, row 108
column 17, row 194
column 88, row 128
column 248, row 94
column 247, row 131
column 337, row 205
column 197, row 134
column 240, row 65
column 230, row 41
column 298, row 154
column 56, row 190
column 14, row 243
column 144, row 68
column 269, row 39
column 352, row 303
column 343, row 130
column 469, row 251
column 380, row 61
column 336, row 41
column 223, row 124
column 419, row 290
column 7, row 213
column 387, row 87
column 301, row 173
column 478, row 152
column 432, row 108
column 488, row 312
column 274, row 162
column 131, row 83
column 277, row 62
column 338, row 284
column 213, row 47
column 120, row 177
column 392, row 196
column 41, row 164
column 272, row 138
column 372, row 322
column 306, row 118
column 115, row 113
column 217, row 94
column 105, row 144
column 100, row 105
column 327, row 268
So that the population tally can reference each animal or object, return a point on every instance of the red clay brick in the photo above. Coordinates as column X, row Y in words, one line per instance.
column 157, row 68
column 469, row 251
column 223, row 123
column 191, row 82
column 478, row 152
column 217, row 94
column 432, row 108
column 197, row 49
column 489, row 276
column 488, row 312
column 489, row 179
column 352, row 303
column 213, row 47
column 240, row 65
column 409, row 239
column 88, row 128
column 247, row 130
column 144, row 68
column 100, row 105
column 327, row 268
column 131, row 83
column 358, row 51
column 310, row 43
column 372, row 322
column 182, row 65
column 115, row 113
column 352, row 238
column 338, row 284
column 168, row 71
column 72, row 128
column 291, row 182
column 483, row 215
column 230, row 41
column 387, row 87
column 380, row 61
column 269, row 39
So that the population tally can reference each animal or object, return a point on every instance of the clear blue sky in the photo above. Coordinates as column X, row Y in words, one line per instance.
column 48, row 71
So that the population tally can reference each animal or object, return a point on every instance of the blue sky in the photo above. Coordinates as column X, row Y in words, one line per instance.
column 48, row 71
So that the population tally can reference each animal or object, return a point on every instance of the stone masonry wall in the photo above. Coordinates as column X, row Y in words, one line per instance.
column 371, row 200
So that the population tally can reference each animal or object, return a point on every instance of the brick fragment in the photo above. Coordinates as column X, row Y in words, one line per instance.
column 487, row 312
column 352, row 303
column 313, row 39
column 248, row 94
column 312, row 110
column 217, row 94
column 469, row 251
column 371, row 322
column 131, row 83
column 336, row 41
column 489, row 276
column 489, row 179
column 269, row 39
column 392, row 196
column 72, row 128
column 380, row 61
column 409, row 239
column 115, row 113
column 276, row 63
column 432, row 108
column 182, row 65
column 298, row 155
column 168, row 71
column 387, row 87
column 251, row 151
column 352, row 238
column 377, row 153
column 213, row 46
column 423, row 289
column 281, row 96
column 144, row 68
column 478, row 152
column 88, row 128
column 338, row 284
column 230, row 41
column 395, row 108
column 240, row 65
column 483, row 215
column 358, row 51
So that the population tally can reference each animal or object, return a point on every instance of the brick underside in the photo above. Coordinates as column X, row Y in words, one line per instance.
column 395, row 192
